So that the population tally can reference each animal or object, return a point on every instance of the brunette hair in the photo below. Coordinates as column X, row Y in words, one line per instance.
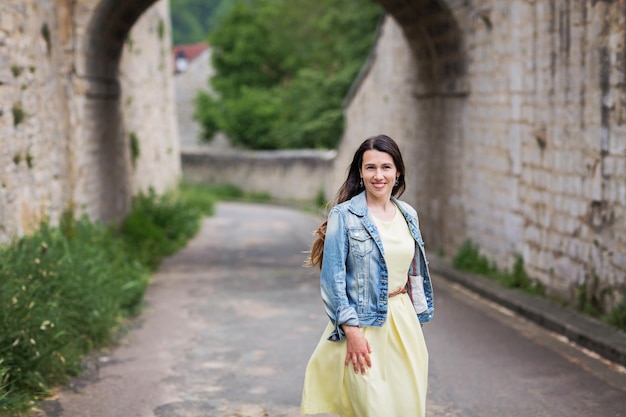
column 353, row 186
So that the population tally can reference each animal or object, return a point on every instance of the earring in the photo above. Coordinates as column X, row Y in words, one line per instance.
column 361, row 183
column 397, row 181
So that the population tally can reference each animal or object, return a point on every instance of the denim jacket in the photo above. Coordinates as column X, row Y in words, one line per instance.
column 354, row 274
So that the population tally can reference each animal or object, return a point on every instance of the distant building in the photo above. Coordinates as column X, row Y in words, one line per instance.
column 192, row 69
column 184, row 55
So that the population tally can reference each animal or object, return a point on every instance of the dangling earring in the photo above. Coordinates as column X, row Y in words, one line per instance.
column 361, row 183
column 397, row 181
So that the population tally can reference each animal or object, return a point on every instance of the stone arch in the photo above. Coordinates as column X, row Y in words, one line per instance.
column 440, row 90
column 436, row 41
column 107, row 32
column 103, row 170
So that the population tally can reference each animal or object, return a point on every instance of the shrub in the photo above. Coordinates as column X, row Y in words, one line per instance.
column 158, row 226
column 65, row 290
column 60, row 297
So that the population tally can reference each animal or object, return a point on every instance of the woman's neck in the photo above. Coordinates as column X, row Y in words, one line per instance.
column 383, row 209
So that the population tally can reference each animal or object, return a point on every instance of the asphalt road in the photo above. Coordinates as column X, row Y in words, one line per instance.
column 231, row 320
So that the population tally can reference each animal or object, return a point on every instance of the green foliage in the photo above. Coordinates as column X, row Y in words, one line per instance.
column 226, row 192
column 198, row 196
column 592, row 299
column 45, row 33
column 16, row 70
column 135, row 151
column 589, row 298
column 60, row 297
column 617, row 316
column 249, row 118
column 18, row 114
column 161, row 29
column 320, row 199
column 65, row 290
column 30, row 160
column 158, row 226
column 208, row 113
column 283, row 69
column 469, row 259
column 193, row 19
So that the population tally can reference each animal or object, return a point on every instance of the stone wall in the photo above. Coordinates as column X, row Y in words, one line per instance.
column 283, row 175
column 526, row 153
column 77, row 78
column 34, row 117
column 510, row 114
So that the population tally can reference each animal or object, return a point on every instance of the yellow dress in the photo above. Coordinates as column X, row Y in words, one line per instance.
column 396, row 384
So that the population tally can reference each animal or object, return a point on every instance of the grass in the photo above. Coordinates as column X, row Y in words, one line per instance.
column 589, row 299
column 65, row 290
column 617, row 316
column 469, row 259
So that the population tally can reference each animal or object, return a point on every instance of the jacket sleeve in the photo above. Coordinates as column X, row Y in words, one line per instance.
column 333, row 276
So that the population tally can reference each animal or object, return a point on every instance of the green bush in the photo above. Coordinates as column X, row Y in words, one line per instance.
column 283, row 70
column 158, row 226
column 65, row 290
column 60, row 297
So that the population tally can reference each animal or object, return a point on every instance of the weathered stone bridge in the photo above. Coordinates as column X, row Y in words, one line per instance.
column 511, row 116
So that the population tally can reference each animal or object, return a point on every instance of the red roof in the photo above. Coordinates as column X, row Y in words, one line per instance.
column 190, row 51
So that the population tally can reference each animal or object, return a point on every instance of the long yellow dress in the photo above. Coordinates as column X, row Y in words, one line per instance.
column 396, row 384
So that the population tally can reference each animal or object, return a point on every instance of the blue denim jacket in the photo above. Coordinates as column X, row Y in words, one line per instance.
column 354, row 274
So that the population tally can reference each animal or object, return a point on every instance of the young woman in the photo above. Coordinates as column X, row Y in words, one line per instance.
column 372, row 359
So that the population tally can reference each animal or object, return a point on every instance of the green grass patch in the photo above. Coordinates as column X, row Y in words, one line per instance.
column 617, row 316
column 589, row 299
column 66, row 290
column 469, row 259
column 226, row 192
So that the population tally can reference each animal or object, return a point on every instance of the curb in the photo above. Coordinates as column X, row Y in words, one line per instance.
column 583, row 330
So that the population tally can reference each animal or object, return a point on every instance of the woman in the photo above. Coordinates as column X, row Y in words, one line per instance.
column 371, row 360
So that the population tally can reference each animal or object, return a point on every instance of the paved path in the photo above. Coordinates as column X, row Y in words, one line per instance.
column 229, row 324
column 231, row 321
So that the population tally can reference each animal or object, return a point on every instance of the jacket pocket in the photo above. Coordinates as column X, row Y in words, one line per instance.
column 360, row 241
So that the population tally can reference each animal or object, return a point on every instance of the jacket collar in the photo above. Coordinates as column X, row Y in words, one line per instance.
column 358, row 206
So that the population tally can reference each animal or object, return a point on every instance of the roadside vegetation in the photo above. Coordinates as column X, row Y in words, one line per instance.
column 68, row 290
column 588, row 298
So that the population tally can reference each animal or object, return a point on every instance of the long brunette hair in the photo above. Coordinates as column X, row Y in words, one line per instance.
column 353, row 186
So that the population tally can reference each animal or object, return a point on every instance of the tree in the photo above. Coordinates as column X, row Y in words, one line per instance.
column 283, row 68
column 193, row 19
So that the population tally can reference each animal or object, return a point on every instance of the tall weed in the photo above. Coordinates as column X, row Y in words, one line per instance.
column 65, row 290
column 60, row 297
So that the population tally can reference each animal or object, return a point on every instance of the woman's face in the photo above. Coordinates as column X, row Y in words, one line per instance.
column 379, row 174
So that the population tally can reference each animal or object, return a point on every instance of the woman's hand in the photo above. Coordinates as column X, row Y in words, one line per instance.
column 359, row 349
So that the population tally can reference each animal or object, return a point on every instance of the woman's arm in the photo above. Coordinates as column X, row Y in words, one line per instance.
column 333, row 276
